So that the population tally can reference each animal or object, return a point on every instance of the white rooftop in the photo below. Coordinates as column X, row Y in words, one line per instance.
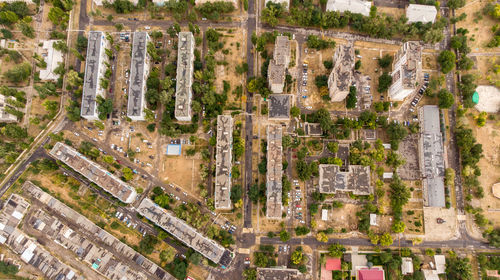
column 421, row 13
column 489, row 99
column 353, row 6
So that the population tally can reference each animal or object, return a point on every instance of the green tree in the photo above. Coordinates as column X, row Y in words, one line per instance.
column 446, row 99
column 384, row 82
column 57, row 16
column 458, row 268
column 336, row 250
column 386, row 239
column 456, row 4
column 398, row 227
column 297, row 257
column 385, row 61
column 352, row 99
column 147, row 244
column 18, row 73
column 284, row 236
column 127, row 174
column 302, row 230
column 446, row 60
column 295, row 111
column 250, row 274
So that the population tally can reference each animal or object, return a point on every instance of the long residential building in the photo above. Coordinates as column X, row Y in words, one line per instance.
column 95, row 68
column 29, row 249
column 93, row 245
column 432, row 156
column 276, row 73
column 94, row 172
column 406, row 70
column 274, row 204
column 184, row 232
column 341, row 77
column 139, row 71
column 223, row 160
column 185, row 68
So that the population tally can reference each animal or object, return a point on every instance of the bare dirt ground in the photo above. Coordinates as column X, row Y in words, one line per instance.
column 429, row 61
column 409, row 151
column 488, row 136
column 38, row 111
column 395, row 12
column 181, row 171
column 234, row 43
column 484, row 70
column 344, row 217
column 439, row 232
column 479, row 29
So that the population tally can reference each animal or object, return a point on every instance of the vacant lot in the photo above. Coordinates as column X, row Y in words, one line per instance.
column 181, row 171
column 489, row 165
column 479, row 27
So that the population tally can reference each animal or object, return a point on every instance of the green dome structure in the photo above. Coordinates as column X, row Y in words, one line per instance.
column 475, row 97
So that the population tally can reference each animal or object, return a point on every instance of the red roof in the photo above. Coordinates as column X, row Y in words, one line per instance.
column 371, row 274
column 332, row 264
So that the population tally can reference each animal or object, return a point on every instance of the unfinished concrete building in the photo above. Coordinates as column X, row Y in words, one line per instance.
column 406, row 70
column 53, row 58
column 5, row 117
column 30, row 251
column 95, row 67
column 355, row 179
column 185, row 68
column 184, row 232
column 276, row 72
column 274, row 204
column 279, row 107
column 278, row 273
column 101, row 240
column 431, row 154
column 223, row 162
column 94, row 172
column 139, row 72
column 341, row 77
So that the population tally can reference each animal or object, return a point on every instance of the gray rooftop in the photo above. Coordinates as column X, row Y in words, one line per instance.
column 223, row 162
column 277, row 273
column 356, row 179
column 313, row 129
column 94, row 68
column 29, row 249
column 108, row 245
column 279, row 106
column 137, row 75
column 185, row 68
column 274, row 171
column 182, row 231
column 276, row 74
column 431, row 153
column 94, row 172
column 342, row 73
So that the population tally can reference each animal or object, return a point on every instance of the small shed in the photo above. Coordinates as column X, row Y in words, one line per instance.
column 406, row 266
column 373, row 220
column 324, row 214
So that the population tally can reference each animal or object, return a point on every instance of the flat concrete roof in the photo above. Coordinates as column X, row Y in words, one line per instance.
column 182, row 231
column 277, row 273
column 353, row 6
column 421, row 13
column 281, row 53
column 185, row 68
column 432, row 155
column 138, row 70
column 94, row 172
column 223, row 162
column 274, row 171
column 94, row 68
column 279, row 106
column 356, row 179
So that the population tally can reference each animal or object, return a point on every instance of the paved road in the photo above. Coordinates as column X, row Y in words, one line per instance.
column 251, row 26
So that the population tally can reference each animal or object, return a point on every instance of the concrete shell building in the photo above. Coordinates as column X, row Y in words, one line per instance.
column 185, row 68
column 139, row 72
column 421, row 13
column 341, row 77
column 223, row 162
column 276, row 72
column 94, row 71
column 353, row 6
column 274, row 185
column 406, row 70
